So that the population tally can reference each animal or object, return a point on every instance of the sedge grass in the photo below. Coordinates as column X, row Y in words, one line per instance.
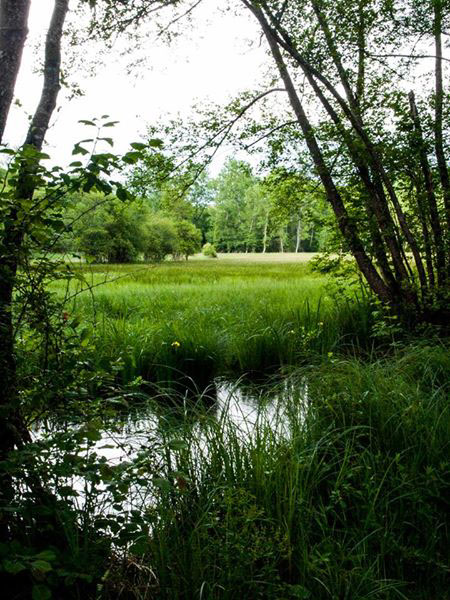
column 203, row 319
column 348, row 503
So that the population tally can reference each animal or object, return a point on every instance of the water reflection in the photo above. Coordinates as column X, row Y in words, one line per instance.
column 155, row 431
column 240, row 406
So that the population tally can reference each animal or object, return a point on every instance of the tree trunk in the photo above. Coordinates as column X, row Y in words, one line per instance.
column 438, row 139
column 12, row 429
column 345, row 224
column 13, row 33
column 266, row 225
column 298, row 233
column 431, row 203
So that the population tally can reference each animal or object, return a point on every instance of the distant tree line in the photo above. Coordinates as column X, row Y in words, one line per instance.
column 117, row 232
column 278, row 213
column 234, row 212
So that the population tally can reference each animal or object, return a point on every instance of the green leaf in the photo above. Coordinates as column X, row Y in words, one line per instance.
column 93, row 435
column 177, row 445
column 77, row 149
column 140, row 546
column 163, row 484
column 41, row 592
column 155, row 143
column 41, row 565
column 299, row 592
column 86, row 122
column 130, row 158
column 47, row 555
column 122, row 194
column 138, row 146
column 13, row 567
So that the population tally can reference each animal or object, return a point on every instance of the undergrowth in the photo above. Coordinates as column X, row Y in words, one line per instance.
column 337, row 489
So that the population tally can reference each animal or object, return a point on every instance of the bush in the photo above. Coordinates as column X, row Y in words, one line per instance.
column 108, row 231
column 209, row 250
column 160, row 238
column 189, row 239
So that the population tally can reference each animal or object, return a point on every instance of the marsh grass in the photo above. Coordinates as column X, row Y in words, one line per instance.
column 346, row 501
column 201, row 319
column 341, row 494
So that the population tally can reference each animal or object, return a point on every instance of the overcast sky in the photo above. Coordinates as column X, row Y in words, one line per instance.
column 213, row 62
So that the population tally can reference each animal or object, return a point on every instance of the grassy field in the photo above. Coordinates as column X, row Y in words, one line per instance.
column 350, row 505
column 202, row 318
column 347, row 501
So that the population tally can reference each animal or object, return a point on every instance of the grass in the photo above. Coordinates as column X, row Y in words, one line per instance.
column 204, row 318
column 348, row 500
column 350, row 504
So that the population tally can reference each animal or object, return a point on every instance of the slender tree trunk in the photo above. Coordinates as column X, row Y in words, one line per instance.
column 298, row 234
column 266, row 225
column 438, row 139
column 431, row 198
column 13, row 33
column 12, row 429
column 360, row 82
column 345, row 224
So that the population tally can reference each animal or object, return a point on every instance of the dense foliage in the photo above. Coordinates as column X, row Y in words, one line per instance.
column 218, row 428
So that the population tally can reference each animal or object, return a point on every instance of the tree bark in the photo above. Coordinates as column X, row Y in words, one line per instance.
column 12, row 430
column 266, row 225
column 47, row 104
column 346, row 226
column 298, row 233
column 13, row 33
column 439, row 100
column 431, row 198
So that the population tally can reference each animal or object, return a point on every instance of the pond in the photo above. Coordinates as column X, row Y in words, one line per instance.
column 148, row 446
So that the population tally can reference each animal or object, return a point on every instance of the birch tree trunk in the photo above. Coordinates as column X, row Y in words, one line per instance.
column 266, row 225
column 12, row 430
column 13, row 33
column 298, row 234
column 438, row 140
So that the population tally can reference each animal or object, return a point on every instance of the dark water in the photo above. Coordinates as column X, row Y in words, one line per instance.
column 158, row 431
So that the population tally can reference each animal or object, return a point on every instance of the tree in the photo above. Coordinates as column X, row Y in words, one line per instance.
column 299, row 204
column 234, row 219
column 108, row 230
column 13, row 33
column 160, row 238
column 337, row 46
column 17, row 206
column 188, row 241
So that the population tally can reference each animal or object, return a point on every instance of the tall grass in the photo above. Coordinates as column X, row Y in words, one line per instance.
column 203, row 319
column 347, row 501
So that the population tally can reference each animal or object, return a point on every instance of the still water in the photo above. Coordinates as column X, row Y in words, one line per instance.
column 155, row 433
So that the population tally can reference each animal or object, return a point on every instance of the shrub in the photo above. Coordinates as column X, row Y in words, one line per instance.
column 188, row 239
column 160, row 238
column 209, row 250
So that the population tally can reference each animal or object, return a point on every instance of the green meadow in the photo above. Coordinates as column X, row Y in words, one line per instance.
column 219, row 317
column 335, row 487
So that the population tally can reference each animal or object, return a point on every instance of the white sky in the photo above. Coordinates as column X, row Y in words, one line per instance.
column 213, row 62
